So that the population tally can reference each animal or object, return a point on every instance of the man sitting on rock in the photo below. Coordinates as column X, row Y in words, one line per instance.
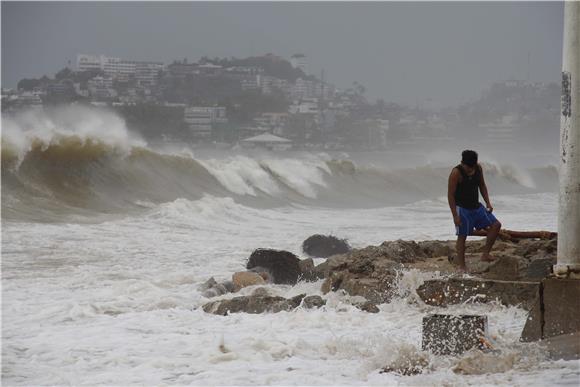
column 465, row 182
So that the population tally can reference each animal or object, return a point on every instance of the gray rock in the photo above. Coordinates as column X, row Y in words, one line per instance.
column 310, row 302
column 249, row 304
column 215, row 291
column 210, row 283
column 229, row 285
column 375, row 289
column 261, row 292
column 368, row 307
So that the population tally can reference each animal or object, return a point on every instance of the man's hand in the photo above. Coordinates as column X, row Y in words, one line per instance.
column 489, row 208
column 457, row 220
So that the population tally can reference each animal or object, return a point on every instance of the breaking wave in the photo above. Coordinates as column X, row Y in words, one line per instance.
column 84, row 161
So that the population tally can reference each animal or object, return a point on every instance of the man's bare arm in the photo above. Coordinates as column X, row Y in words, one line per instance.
column 483, row 190
column 451, row 188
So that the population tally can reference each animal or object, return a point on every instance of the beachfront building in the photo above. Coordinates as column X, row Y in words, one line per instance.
column 267, row 141
column 202, row 120
column 146, row 73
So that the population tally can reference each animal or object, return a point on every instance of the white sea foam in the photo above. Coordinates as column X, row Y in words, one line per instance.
column 241, row 175
column 117, row 303
column 301, row 175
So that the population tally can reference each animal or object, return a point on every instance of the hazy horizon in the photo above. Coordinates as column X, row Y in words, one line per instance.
column 429, row 54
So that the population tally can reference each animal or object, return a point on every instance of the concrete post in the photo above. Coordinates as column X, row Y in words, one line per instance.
column 568, row 263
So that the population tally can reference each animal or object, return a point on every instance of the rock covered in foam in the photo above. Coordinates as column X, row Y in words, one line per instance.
column 253, row 304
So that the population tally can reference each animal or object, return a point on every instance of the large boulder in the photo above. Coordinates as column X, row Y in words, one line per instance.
column 324, row 246
column 282, row 266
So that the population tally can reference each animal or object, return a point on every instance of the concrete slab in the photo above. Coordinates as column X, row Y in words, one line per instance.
column 445, row 334
column 566, row 347
column 561, row 306
column 459, row 290
column 556, row 311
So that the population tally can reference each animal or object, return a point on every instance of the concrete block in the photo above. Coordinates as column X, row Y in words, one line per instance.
column 561, row 306
column 566, row 347
column 556, row 310
column 534, row 324
column 452, row 335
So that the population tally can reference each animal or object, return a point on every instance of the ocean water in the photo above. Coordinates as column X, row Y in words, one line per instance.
column 105, row 241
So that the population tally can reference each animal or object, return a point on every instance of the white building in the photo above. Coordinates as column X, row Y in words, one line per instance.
column 90, row 62
column 269, row 84
column 101, row 87
column 304, row 106
column 202, row 119
column 299, row 61
column 146, row 73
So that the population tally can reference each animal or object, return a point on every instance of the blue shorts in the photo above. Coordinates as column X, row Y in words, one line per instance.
column 475, row 219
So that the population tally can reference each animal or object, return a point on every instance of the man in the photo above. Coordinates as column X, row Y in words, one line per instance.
column 465, row 182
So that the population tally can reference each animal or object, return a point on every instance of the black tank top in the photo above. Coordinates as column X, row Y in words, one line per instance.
column 467, row 192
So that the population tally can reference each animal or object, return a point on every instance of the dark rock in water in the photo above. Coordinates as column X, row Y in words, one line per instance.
column 261, row 302
column 368, row 307
column 229, row 285
column 261, row 292
column 458, row 290
column 375, row 289
column 250, row 304
column 211, row 288
column 210, row 283
column 310, row 302
column 307, row 269
column 324, row 246
column 283, row 266
column 409, row 366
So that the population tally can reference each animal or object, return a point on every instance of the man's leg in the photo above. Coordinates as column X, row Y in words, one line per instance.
column 492, row 234
column 460, row 250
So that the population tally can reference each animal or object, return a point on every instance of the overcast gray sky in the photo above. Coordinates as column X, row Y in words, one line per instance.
column 433, row 54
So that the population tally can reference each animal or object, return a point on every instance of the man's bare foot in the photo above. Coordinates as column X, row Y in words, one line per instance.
column 487, row 258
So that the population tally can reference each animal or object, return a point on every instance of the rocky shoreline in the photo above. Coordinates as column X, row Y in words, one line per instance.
column 371, row 274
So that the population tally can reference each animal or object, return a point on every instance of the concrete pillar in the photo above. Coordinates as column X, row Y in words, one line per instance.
column 568, row 264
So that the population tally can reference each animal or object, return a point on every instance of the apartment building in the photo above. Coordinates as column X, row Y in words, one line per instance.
column 201, row 120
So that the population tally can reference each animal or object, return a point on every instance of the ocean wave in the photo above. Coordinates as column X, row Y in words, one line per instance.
column 84, row 160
